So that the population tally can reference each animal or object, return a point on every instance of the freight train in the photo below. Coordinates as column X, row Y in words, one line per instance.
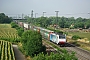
column 47, row 34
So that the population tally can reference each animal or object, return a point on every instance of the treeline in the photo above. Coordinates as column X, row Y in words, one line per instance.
column 62, row 22
column 4, row 18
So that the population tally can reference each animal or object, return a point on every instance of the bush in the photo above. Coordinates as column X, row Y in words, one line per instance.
column 13, row 25
column 76, row 43
column 71, row 27
column 56, row 31
column 66, row 33
column 18, row 28
column 75, row 37
column 56, row 56
column 32, row 42
column 20, row 31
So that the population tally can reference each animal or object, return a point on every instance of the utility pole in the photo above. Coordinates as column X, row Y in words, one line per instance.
column 32, row 16
column 43, row 13
column 56, row 18
column 35, row 18
column 22, row 15
column 35, row 14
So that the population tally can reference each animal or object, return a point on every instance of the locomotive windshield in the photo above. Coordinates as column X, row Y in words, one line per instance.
column 61, row 36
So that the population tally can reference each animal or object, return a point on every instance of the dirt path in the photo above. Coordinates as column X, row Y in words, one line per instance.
column 18, row 54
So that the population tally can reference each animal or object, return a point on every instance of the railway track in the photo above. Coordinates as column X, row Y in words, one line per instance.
column 49, row 48
column 81, row 54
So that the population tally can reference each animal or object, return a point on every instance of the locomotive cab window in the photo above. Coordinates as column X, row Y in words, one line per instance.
column 61, row 36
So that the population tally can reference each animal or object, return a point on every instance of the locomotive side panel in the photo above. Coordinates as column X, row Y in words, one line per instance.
column 53, row 38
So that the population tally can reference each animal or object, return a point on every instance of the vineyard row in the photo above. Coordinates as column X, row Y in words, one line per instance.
column 6, row 51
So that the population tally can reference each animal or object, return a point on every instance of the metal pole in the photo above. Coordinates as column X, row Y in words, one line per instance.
column 32, row 16
column 43, row 13
column 56, row 18
column 22, row 15
column 35, row 14
column 35, row 18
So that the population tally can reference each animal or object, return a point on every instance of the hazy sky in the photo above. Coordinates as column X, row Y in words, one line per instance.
column 67, row 8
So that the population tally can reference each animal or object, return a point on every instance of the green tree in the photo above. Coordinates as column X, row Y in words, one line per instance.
column 32, row 42
column 4, row 18
column 75, row 37
column 79, row 25
column 14, row 25
column 87, row 23
column 62, row 22
column 20, row 31
column 56, row 56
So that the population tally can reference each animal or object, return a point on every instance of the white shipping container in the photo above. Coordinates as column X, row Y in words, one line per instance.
column 26, row 25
